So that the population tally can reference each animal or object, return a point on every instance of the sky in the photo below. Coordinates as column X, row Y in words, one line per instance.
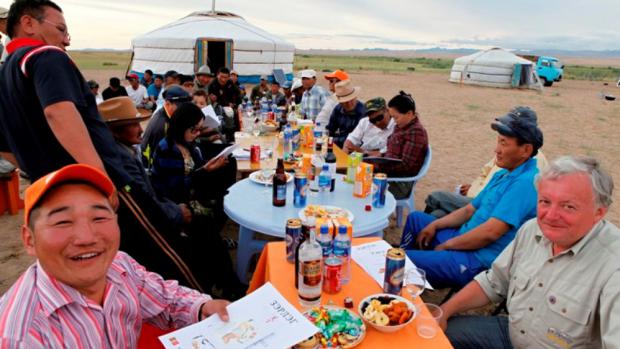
column 362, row 24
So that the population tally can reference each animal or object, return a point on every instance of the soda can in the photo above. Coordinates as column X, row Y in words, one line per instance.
column 332, row 280
column 380, row 184
column 300, row 194
column 271, row 116
column 295, row 140
column 255, row 153
column 293, row 231
column 394, row 270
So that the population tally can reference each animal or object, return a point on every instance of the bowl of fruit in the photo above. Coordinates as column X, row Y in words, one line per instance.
column 269, row 126
column 387, row 312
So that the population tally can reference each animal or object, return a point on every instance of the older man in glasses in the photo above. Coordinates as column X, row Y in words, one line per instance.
column 371, row 134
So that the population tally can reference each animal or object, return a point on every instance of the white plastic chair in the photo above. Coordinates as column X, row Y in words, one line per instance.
column 410, row 201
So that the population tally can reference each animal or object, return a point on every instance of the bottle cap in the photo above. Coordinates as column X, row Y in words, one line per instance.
column 342, row 229
column 324, row 229
column 325, row 167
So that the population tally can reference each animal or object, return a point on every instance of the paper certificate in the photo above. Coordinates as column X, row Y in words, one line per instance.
column 371, row 257
column 262, row 319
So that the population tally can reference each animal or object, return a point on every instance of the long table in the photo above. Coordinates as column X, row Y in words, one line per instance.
column 273, row 267
column 268, row 141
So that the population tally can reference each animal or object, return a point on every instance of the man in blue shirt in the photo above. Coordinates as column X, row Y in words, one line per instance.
column 455, row 248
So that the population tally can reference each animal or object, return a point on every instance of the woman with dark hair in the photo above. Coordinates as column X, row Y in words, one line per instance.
column 178, row 170
column 408, row 142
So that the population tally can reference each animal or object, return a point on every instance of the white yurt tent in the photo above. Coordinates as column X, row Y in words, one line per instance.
column 495, row 67
column 217, row 39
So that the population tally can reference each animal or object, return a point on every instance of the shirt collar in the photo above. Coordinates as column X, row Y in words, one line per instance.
column 576, row 248
column 55, row 294
column 408, row 125
column 526, row 166
column 16, row 44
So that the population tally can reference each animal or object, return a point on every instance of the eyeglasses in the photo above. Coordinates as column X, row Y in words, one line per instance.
column 375, row 119
column 196, row 129
column 60, row 27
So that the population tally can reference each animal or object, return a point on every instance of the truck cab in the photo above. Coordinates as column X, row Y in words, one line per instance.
column 549, row 69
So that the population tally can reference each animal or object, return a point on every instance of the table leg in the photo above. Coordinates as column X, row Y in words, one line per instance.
column 247, row 248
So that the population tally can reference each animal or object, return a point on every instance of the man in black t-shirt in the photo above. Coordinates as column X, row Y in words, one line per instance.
column 222, row 91
column 50, row 119
column 114, row 90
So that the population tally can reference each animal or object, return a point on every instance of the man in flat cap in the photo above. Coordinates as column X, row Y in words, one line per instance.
column 455, row 248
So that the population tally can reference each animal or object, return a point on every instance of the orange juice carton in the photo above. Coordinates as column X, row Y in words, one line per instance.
column 363, row 180
column 353, row 161
column 338, row 221
column 321, row 221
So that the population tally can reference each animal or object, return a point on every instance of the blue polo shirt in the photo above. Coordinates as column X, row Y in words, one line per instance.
column 510, row 197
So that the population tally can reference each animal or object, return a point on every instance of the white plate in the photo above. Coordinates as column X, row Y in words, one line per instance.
column 332, row 212
column 265, row 177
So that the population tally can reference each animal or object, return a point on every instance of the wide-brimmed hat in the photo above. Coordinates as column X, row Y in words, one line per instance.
column 345, row 91
column 204, row 70
column 121, row 111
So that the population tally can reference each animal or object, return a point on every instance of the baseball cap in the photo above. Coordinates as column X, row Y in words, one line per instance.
column 372, row 105
column 204, row 70
column 176, row 94
column 307, row 73
column 77, row 172
column 520, row 122
column 264, row 77
column 4, row 12
column 132, row 76
column 287, row 84
column 337, row 74
column 296, row 84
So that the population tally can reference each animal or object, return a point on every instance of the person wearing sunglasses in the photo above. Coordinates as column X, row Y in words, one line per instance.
column 371, row 134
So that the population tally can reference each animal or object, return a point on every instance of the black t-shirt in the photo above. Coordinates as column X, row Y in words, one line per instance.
column 109, row 93
column 51, row 77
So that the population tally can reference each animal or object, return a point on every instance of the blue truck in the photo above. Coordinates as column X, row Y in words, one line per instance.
column 549, row 69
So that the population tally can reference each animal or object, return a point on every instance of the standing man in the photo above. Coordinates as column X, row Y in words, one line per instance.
column 50, row 120
column 347, row 113
column 372, row 132
column 560, row 276
column 314, row 97
column 222, row 92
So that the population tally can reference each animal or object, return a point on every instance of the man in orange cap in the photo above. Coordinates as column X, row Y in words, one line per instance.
column 82, row 292
column 330, row 104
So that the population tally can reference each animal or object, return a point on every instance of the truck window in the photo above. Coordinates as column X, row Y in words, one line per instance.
column 545, row 63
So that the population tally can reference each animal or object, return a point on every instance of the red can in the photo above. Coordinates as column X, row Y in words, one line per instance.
column 332, row 282
column 255, row 153
column 271, row 116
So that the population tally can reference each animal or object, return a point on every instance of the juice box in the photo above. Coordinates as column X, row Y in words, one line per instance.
column 343, row 221
column 353, row 161
column 363, row 180
column 320, row 221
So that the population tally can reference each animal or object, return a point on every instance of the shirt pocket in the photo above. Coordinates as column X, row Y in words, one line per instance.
column 565, row 319
column 517, row 300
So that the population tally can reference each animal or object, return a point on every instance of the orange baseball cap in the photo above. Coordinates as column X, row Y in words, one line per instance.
column 338, row 74
column 69, row 173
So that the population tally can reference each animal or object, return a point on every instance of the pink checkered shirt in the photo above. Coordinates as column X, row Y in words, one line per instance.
column 38, row 311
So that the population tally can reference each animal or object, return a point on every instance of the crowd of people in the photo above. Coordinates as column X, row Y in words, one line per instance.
column 528, row 232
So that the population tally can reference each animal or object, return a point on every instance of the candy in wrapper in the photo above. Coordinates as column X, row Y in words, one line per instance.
column 348, row 302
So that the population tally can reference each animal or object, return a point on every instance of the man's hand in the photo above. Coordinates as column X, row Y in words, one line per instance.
column 215, row 306
column 443, row 320
column 464, row 189
column 442, row 247
column 215, row 163
column 426, row 236
column 187, row 214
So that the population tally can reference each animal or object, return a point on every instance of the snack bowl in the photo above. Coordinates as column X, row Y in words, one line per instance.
column 386, row 301
column 270, row 126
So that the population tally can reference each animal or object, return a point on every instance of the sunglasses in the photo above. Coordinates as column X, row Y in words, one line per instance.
column 375, row 119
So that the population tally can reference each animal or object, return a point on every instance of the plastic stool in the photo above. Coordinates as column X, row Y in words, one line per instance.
column 9, row 194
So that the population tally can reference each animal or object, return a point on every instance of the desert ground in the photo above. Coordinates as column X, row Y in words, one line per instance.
column 572, row 115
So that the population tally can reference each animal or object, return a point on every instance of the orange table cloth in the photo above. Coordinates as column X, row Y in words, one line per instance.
column 273, row 267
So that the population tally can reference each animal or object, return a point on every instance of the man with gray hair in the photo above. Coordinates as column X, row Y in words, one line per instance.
column 560, row 276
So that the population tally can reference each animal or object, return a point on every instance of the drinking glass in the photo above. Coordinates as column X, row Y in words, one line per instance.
column 415, row 281
column 266, row 173
column 427, row 322
column 256, row 129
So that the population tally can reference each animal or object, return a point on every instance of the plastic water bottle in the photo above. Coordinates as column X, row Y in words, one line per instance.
column 325, row 179
column 325, row 240
column 288, row 137
column 342, row 250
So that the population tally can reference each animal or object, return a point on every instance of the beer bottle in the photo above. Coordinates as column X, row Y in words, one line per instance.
column 330, row 160
column 279, row 185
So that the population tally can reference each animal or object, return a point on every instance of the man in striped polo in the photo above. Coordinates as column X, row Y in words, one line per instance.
column 82, row 292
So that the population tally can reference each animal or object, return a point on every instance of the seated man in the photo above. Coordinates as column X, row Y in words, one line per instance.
column 138, row 92
column 560, row 276
column 275, row 95
column 407, row 143
column 466, row 241
column 259, row 91
column 330, row 103
column 347, row 114
column 82, row 292
column 155, row 88
column 114, row 90
column 372, row 132
column 440, row 203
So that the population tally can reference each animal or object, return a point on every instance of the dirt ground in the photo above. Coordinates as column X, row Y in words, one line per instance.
column 572, row 115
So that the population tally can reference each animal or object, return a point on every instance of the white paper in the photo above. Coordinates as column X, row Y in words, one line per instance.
column 211, row 119
column 243, row 154
column 227, row 151
column 262, row 319
column 371, row 257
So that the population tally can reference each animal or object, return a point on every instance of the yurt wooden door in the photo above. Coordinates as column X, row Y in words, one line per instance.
column 215, row 53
